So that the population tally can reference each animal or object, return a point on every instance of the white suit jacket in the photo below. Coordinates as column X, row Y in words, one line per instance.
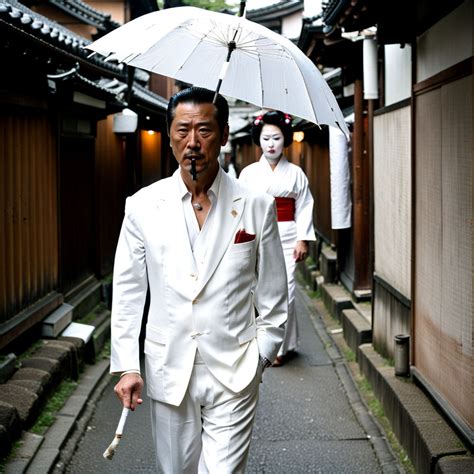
column 212, row 311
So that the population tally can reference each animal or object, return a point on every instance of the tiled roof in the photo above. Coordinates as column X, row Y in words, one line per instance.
column 33, row 24
column 352, row 15
column 275, row 11
column 87, row 14
column 38, row 28
column 333, row 9
column 145, row 95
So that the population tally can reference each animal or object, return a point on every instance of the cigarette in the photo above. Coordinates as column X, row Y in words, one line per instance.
column 110, row 451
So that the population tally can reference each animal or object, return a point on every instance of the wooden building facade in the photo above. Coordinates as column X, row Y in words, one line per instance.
column 412, row 145
column 64, row 172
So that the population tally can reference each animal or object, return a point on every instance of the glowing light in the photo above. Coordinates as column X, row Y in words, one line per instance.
column 298, row 136
column 151, row 132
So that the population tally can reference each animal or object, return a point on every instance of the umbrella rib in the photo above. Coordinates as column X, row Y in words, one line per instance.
column 306, row 89
column 254, row 53
column 261, row 80
column 210, row 35
column 189, row 55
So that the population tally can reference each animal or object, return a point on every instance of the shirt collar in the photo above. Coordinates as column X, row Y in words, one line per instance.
column 214, row 189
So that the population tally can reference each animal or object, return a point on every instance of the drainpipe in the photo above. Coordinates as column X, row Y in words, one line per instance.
column 371, row 94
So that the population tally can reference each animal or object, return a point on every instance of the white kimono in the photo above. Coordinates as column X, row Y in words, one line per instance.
column 286, row 180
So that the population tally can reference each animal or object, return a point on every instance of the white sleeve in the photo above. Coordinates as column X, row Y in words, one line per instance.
column 128, row 297
column 304, row 210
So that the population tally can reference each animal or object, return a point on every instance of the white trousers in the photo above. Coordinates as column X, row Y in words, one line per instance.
column 210, row 431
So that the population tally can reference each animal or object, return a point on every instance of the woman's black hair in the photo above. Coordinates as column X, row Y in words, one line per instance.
column 274, row 117
column 199, row 95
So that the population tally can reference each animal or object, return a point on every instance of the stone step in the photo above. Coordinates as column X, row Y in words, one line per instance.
column 336, row 299
column 328, row 262
column 357, row 330
column 59, row 319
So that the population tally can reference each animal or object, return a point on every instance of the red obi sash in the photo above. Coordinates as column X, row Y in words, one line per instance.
column 285, row 209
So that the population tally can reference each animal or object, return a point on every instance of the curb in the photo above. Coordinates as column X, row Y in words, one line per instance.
column 43, row 454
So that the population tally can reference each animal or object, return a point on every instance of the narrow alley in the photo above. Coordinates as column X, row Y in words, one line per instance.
column 310, row 419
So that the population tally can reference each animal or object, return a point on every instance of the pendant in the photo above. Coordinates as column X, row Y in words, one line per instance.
column 197, row 206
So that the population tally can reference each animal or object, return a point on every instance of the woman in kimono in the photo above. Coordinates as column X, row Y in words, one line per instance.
column 288, row 184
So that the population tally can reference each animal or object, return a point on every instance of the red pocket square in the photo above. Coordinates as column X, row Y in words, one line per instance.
column 242, row 237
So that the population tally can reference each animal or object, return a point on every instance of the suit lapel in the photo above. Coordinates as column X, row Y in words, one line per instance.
column 175, row 223
column 230, row 205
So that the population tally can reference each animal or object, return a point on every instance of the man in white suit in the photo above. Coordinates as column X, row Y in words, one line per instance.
column 209, row 249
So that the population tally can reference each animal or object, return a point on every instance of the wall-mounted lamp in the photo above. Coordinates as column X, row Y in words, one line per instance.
column 298, row 136
column 125, row 121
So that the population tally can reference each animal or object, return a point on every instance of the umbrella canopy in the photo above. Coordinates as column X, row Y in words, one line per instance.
column 260, row 67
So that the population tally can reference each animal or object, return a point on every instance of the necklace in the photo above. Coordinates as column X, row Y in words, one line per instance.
column 197, row 206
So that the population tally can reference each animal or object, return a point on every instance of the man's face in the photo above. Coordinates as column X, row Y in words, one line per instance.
column 271, row 141
column 195, row 133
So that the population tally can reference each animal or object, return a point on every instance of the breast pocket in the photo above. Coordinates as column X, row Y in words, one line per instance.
column 242, row 251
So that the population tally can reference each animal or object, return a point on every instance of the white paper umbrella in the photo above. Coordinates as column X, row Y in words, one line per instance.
column 201, row 47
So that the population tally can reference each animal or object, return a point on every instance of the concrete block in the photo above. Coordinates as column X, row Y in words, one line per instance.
column 74, row 405
column 336, row 299
column 455, row 465
column 5, row 442
column 27, row 449
column 44, row 461
column 62, row 354
column 75, row 364
column 319, row 282
column 80, row 331
column 30, row 373
column 420, row 429
column 328, row 264
column 7, row 367
column 356, row 329
column 101, row 335
column 59, row 432
column 25, row 402
column 10, row 426
column 32, row 385
column 313, row 280
column 52, row 366
column 78, row 344
column 55, row 323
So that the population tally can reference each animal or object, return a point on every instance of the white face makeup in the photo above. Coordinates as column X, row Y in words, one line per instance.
column 271, row 141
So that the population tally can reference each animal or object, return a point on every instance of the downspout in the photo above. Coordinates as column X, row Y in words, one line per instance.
column 371, row 94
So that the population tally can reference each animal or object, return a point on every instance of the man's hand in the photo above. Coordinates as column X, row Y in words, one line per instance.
column 300, row 251
column 129, row 390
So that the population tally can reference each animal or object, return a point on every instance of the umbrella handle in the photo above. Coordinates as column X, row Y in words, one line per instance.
column 242, row 8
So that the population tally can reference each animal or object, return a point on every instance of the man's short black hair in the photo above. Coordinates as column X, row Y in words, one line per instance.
column 199, row 95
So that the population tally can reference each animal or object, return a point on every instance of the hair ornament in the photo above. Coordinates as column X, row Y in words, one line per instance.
column 258, row 120
column 288, row 119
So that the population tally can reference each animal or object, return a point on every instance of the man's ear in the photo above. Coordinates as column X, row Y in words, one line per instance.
column 225, row 135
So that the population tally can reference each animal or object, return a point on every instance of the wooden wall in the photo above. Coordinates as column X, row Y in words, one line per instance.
column 28, row 200
column 111, row 191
